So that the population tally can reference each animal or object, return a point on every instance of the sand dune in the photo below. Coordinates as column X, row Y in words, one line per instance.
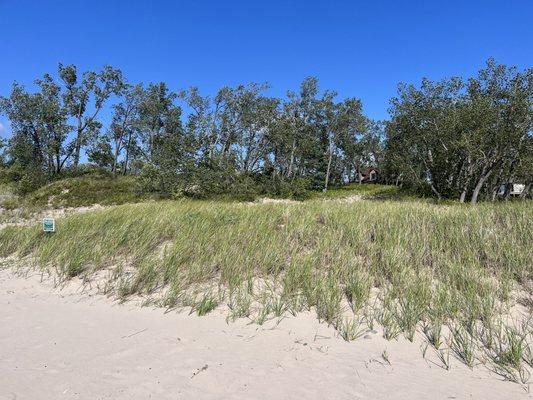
column 63, row 344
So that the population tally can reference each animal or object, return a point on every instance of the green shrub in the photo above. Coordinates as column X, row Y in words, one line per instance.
column 29, row 183
column 87, row 190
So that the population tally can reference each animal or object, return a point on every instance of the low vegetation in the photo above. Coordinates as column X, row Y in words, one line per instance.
column 459, row 275
column 68, row 195
column 368, row 192
column 87, row 190
column 6, row 192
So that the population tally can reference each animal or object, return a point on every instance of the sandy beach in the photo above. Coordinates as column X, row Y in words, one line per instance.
column 70, row 344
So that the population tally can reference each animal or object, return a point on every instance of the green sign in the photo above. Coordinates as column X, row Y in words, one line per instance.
column 49, row 225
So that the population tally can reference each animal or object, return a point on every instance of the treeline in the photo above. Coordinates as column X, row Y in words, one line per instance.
column 452, row 139
column 464, row 138
column 238, row 141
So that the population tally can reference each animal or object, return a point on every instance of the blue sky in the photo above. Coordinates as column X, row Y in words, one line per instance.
column 359, row 48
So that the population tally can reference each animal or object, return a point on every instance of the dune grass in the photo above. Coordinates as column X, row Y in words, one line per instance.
column 452, row 273
column 87, row 190
column 7, row 194
column 366, row 191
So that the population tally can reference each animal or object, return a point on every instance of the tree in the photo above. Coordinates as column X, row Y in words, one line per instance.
column 124, row 125
column 54, row 118
column 254, row 116
column 158, row 118
column 167, row 151
column 39, row 127
column 201, row 122
column 3, row 145
column 101, row 154
column 354, row 139
column 40, row 119
column 506, row 97
column 84, row 98
column 308, row 134
column 461, row 138
column 26, row 146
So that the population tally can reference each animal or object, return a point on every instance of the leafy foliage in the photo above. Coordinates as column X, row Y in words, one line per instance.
column 461, row 139
column 464, row 139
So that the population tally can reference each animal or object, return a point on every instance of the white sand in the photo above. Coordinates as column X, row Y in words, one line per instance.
column 62, row 345
column 15, row 216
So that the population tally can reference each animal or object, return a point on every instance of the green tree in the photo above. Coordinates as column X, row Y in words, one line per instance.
column 123, row 130
column 101, row 153
column 158, row 118
column 39, row 126
column 84, row 98
column 460, row 138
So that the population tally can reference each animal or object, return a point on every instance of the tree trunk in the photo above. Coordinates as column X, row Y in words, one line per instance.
column 497, row 182
column 51, row 169
column 430, row 175
column 398, row 180
column 462, row 198
column 289, row 172
column 329, row 167
column 58, row 163
column 127, row 156
column 79, row 139
column 152, row 139
column 114, row 166
column 434, row 190
column 118, row 145
column 359, row 175
column 484, row 176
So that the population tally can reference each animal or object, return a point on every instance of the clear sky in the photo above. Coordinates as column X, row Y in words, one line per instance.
column 359, row 48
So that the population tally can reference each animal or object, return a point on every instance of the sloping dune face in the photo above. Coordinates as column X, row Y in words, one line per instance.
column 67, row 344
column 445, row 288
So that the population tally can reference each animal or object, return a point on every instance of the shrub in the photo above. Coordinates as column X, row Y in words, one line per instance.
column 30, row 182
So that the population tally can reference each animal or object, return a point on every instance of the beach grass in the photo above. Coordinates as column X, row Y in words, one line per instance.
column 455, row 273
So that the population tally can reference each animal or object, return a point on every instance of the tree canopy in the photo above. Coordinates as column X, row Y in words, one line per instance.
column 461, row 137
column 455, row 138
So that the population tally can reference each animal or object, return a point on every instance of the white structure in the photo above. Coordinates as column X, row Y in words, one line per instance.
column 516, row 189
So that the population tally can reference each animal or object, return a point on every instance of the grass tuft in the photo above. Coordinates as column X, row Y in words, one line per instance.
column 409, row 266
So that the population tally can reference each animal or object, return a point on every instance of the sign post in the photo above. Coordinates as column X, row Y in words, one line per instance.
column 49, row 225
